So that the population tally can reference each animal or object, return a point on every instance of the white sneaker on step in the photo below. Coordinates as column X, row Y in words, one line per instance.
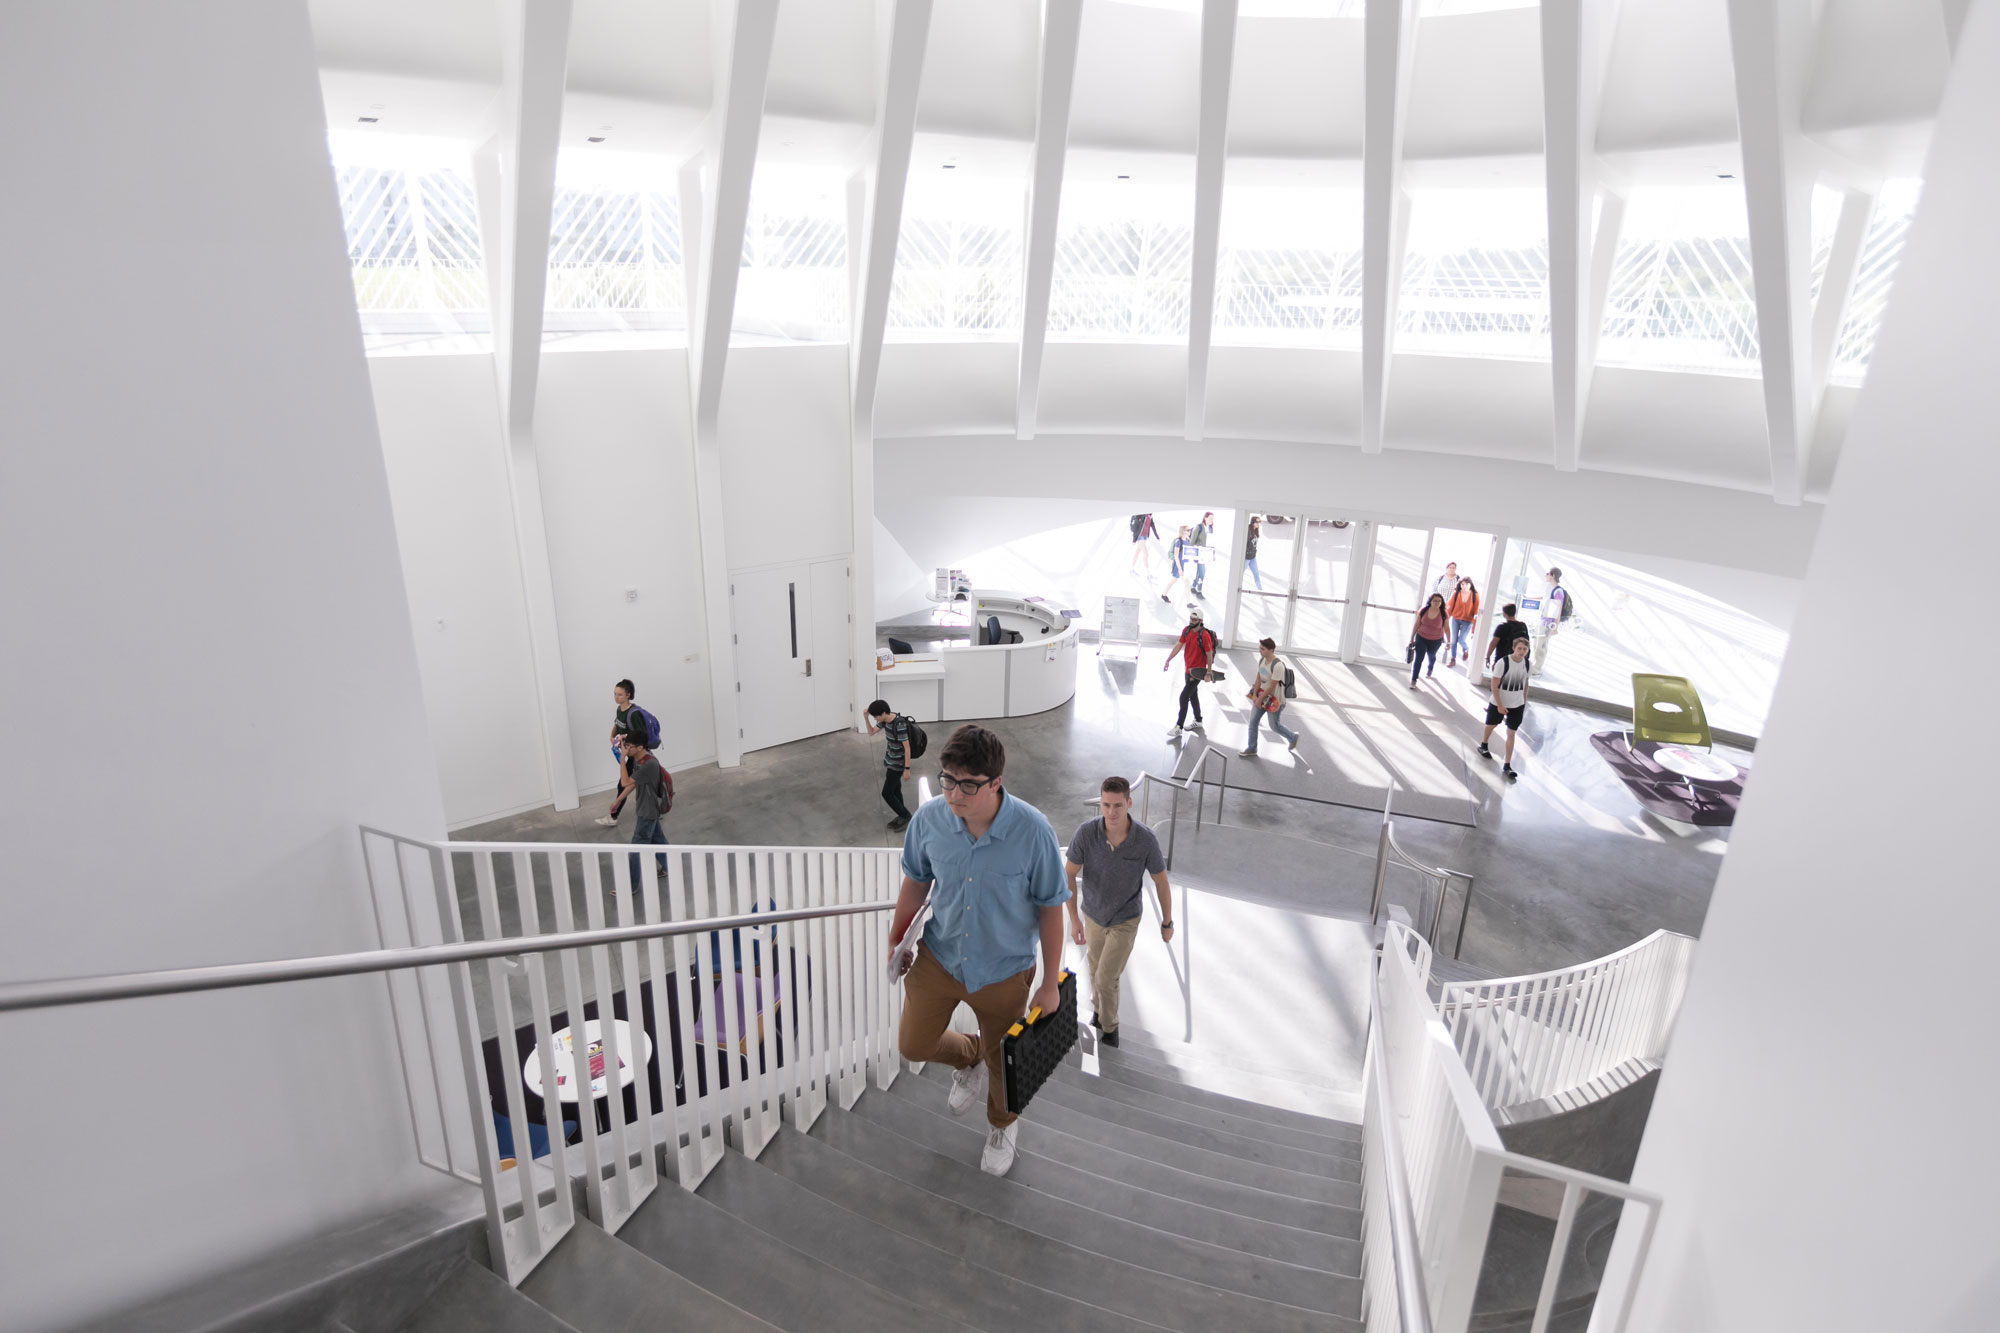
column 605, row 821
column 998, row 1159
column 968, row 1088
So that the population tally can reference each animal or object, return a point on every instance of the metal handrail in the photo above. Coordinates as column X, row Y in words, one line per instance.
column 1386, row 846
column 1198, row 773
column 227, row 976
column 1413, row 1309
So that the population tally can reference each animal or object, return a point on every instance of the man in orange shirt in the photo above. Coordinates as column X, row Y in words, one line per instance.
column 1196, row 649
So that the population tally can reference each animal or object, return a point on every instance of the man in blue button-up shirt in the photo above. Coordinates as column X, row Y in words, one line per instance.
column 992, row 870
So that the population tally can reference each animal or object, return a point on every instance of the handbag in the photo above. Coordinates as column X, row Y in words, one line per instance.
column 1410, row 653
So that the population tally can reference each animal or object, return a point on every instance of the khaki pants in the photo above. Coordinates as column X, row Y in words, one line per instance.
column 930, row 994
column 1106, row 949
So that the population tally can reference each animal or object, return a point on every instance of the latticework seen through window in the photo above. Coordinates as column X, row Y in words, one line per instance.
column 412, row 225
column 1289, row 272
column 793, row 283
column 1122, row 260
column 958, row 260
column 615, row 252
column 1681, row 294
column 1881, row 251
column 1476, row 274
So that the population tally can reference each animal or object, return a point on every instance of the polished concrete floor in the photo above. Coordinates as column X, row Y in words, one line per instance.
column 1566, row 866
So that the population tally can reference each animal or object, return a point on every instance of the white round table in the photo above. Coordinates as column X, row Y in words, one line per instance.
column 1695, row 765
column 565, row 1059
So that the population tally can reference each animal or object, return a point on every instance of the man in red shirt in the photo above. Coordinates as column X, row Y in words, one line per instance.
column 1196, row 649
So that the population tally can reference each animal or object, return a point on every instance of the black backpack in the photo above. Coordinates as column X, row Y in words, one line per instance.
column 918, row 741
column 1291, row 684
column 1569, row 602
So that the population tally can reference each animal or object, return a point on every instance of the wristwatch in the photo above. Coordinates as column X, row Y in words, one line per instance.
column 1166, row 925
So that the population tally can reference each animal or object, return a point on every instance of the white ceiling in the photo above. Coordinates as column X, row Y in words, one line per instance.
column 641, row 75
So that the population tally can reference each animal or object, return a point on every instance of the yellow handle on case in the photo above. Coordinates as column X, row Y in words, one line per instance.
column 1036, row 1012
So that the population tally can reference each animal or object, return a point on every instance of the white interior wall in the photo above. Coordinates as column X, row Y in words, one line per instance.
column 1823, row 1133
column 785, row 454
column 618, row 498
column 209, row 678
column 440, row 422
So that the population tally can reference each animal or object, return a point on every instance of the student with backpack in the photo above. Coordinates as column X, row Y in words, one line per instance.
column 622, row 724
column 653, row 788
column 1267, row 697
column 1196, row 649
column 906, row 745
column 1557, row 607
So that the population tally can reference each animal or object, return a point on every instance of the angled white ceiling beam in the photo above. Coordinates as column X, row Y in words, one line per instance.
column 515, row 176
column 902, row 70
column 1390, row 43
column 1771, row 42
column 1211, row 154
column 1062, row 26
column 1954, row 21
column 1843, row 261
column 719, row 186
column 743, row 69
column 1576, row 45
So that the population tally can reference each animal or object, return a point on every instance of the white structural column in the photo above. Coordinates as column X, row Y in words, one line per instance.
column 1842, row 263
column 1390, row 43
column 1576, row 44
column 904, row 31
column 1954, row 20
column 1211, row 155
column 515, row 172
column 1771, row 41
column 1062, row 26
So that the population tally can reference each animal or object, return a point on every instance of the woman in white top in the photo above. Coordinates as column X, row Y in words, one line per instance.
column 1510, row 702
column 1267, row 698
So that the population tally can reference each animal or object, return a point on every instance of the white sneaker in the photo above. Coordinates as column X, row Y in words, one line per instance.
column 1293, row 743
column 998, row 1159
column 605, row 821
column 968, row 1089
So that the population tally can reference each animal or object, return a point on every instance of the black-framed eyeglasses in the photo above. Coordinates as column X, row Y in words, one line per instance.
column 970, row 786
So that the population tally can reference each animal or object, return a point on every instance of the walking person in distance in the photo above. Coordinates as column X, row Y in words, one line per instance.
column 1267, row 698
column 653, row 788
column 1114, row 854
column 897, row 758
column 1250, row 552
column 1464, row 611
column 1196, row 649
column 1427, row 636
column 1509, row 687
column 621, row 721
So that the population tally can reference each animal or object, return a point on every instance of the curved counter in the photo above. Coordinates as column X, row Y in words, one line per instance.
column 974, row 680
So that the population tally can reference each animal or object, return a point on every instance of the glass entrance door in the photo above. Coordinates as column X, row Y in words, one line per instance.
column 1319, row 602
column 1267, row 578
column 1406, row 565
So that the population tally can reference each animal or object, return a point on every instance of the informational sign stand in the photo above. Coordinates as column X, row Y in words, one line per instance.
column 1121, row 624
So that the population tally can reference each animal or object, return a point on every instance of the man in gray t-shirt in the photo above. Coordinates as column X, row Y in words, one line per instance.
column 1113, row 853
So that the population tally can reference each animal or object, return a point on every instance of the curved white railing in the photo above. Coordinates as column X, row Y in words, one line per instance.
column 1553, row 1036
column 1428, row 1210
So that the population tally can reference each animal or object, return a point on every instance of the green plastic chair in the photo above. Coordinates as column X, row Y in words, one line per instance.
column 1667, row 709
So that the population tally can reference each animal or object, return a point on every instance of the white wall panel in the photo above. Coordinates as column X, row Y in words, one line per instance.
column 619, row 499
column 785, row 469
column 1700, row 428
column 440, row 423
column 1284, row 393
column 946, row 388
column 208, row 678
column 1115, row 387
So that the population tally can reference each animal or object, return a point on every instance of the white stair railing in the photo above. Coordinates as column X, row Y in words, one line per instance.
column 751, row 1024
column 1420, row 1103
column 1543, row 1038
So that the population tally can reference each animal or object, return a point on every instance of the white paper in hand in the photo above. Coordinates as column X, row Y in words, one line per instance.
column 904, row 955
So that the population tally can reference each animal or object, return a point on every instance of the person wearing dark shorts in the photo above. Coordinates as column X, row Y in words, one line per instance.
column 1510, row 702
column 895, row 759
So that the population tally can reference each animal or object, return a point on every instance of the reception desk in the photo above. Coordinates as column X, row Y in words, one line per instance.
column 974, row 680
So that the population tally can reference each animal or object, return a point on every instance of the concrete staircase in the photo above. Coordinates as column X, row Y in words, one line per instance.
column 1137, row 1202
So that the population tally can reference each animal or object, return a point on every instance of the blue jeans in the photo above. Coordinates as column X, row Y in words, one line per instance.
column 1277, row 721
column 648, row 832
column 1461, row 639
column 1200, row 573
column 1426, row 657
column 1250, row 564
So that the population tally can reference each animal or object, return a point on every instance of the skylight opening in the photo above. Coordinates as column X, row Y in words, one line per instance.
column 615, row 270
column 1881, row 252
column 958, row 260
column 1289, row 273
column 412, row 223
column 1476, row 274
column 1825, row 222
column 1681, row 293
column 1122, row 261
column 793, row 285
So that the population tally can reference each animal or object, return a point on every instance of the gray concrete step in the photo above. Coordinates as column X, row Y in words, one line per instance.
column 1156, row 1077
column 1250, row 1149
column 1134, row 1041
column 1170, row 1152
column 597, row 1283
column 934, row 1157
column 900, row 1192
column 769, row 1194
column 473, row 1300
column 756, row 1272
column 1231, row 1119
column 1121, row 1204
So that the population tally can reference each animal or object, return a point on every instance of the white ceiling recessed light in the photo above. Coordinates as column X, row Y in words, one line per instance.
column 595, row 138
column 1725, row 175
column 368, row 120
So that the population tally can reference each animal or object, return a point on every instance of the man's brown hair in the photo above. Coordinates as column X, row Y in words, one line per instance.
column 1115, row 787
column 973, row 751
